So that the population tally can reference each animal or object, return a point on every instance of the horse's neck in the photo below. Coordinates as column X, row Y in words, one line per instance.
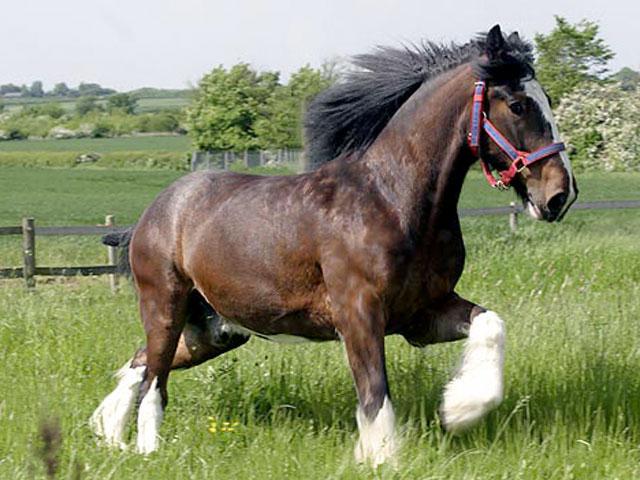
column 419, row 161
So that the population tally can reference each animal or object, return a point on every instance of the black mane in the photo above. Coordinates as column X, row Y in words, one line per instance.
column 348, row 116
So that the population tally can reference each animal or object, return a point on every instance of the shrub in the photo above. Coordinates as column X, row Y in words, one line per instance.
column 601, row 125
column 85, row 105
column 53, row 110
column 157, row 122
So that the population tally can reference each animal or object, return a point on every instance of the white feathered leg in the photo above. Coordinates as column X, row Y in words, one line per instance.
column 149, row 419
column 477, row 386
column 377, row 443
column 109, row 420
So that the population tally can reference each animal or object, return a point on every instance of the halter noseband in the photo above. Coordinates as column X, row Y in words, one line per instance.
column 519, row 158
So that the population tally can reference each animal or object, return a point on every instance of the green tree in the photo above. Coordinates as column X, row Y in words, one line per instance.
column 36, row 89
column 280, row 123
column 226, row 107
column 629, row 79
column 601, row 125
column 60, row 90
column 570, row 55
column 85, row 105
column 122, row 102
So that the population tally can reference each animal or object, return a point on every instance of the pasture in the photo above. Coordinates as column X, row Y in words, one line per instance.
column 165, row 143
column 144, row 105
column 569, row 294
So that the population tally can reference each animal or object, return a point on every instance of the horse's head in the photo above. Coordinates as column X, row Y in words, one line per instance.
column 519, row 109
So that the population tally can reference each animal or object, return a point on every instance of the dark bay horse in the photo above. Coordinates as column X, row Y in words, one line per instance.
column 366, row 245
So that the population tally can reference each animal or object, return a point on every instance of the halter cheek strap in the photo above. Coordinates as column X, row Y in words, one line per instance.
column 519, row 159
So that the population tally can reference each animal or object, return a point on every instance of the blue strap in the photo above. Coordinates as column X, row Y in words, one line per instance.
column 502, row 142
column 545, row 152
column 476, row 115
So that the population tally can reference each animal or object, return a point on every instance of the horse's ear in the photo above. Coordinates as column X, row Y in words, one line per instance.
column 495, row 43
column 513, row 37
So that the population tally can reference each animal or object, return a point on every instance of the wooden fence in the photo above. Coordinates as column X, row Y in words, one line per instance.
column 28, row 230
column 30, row 269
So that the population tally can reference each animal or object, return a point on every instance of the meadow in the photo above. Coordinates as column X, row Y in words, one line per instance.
column 69, row 104
column 569, row 294
column 165, row 143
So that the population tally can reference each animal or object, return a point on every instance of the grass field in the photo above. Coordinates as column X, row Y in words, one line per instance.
column 166, row 143
column 569, row 293
column 69, row 104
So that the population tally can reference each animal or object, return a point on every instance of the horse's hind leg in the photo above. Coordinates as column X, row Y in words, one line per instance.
column 477, row 386
column 205, row 336
column 109, row 420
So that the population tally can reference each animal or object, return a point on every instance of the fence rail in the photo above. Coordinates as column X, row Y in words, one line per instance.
column 29, row 269
column 29, row 230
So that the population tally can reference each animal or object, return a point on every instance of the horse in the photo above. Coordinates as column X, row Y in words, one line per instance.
column 366, row 244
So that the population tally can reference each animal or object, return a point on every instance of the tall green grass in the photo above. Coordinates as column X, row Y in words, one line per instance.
column 569, row 294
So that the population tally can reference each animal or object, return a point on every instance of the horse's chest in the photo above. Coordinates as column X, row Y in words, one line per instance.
column 434, row 271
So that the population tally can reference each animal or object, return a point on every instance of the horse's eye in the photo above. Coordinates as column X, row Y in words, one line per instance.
column 516, row 108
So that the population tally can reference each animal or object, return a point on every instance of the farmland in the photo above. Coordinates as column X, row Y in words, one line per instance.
column 144, row 104
column 165, row 143
column 569, row 293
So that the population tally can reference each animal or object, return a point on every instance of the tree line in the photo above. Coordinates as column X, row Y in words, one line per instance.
column 59, row 90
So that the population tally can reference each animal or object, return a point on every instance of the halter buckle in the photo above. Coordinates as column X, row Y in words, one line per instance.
column 500, row 185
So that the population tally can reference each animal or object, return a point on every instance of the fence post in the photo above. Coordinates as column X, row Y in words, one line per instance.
column 112, row 254
column 29, row 251
column 513, row 217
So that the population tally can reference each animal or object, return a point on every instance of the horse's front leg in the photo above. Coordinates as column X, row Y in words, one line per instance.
column 362, row 325
column 477, row 386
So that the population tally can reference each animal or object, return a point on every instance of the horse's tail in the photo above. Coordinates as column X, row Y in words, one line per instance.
column 121, row 240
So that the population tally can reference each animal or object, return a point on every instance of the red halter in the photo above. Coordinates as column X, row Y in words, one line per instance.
column 519, row 159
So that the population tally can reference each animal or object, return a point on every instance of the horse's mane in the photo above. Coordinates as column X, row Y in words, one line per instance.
column 348, row 116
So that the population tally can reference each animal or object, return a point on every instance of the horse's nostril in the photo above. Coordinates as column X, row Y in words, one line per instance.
column 555, row 203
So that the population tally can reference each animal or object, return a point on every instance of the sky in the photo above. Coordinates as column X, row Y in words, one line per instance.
column 172, row 43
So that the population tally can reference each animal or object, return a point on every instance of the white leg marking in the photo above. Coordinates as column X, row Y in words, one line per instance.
column 377, row 442
column 110, row 419
column 477, row 387
column 149, row 419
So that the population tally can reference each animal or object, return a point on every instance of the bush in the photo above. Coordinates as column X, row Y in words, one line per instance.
column 157, row 122
column 85, row 105
column 601, row 125
column 52, row 110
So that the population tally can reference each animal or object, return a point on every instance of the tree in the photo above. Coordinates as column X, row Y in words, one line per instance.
column 93, row 89
column 122, row 102
column 280, row 123
column 601, row 125
column 9, row 88
column 85, row 105
column 569, row 56
column 226, row 107
column 36, row 89
column 629, row 79
column 60, row 90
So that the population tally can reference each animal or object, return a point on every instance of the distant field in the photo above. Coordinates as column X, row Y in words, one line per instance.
column 169, row 143
column 157, row 104
column 144, row 104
